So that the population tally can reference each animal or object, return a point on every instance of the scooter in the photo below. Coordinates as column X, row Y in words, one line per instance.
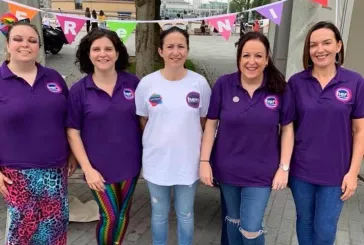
column 54, row 38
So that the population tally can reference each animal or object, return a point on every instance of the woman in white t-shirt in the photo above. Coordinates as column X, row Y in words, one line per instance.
column 172, row 103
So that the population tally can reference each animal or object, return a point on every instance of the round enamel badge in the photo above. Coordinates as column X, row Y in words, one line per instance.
column 343, row 94
column 54, row 87
column 271, row 102
column 128, row 93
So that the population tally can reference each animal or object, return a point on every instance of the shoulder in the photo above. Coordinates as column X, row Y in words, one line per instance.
column 194, row 76
column 226, row 79
column 78, row 86
column 131, row 79
column 350, row 75
column 52, row 73
column 148, row 79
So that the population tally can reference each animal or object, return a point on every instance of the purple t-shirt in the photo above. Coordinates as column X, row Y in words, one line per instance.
column 110, row 128
column 33, row 120
column 323, row 126
column 246, row 151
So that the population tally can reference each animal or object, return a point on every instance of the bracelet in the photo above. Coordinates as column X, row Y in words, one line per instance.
column 204, row 161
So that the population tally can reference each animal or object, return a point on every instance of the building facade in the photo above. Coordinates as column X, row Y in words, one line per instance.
column 170, row 8
column 121, row 9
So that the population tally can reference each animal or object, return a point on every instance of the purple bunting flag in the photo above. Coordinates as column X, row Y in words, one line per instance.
column 272, row 11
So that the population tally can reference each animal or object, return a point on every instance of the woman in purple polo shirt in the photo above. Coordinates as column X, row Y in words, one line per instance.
column 329, row 135
column 104, row 131
column 33, row 143
column 250, row 156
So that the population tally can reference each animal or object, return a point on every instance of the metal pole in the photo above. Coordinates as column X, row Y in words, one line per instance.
column 228, row 7
column 337, row 13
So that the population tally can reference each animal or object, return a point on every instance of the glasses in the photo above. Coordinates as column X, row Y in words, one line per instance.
column 167, row 26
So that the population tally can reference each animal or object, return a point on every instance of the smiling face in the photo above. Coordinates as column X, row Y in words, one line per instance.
column 103, row 54
column 254, row 59
column 324, row 47
column 175, row 50
column 23, row 44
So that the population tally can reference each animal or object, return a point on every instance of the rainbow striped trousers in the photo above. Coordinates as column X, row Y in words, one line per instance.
column 114, row 207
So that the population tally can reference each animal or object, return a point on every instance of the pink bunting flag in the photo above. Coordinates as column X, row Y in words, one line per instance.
column 272, row 11
column 71, row 26
column 223, row 24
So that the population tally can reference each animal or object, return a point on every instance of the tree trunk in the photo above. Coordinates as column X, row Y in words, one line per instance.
column 157, row 30
column 144, row 40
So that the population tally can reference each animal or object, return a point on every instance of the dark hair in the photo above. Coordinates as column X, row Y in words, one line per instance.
column 23, row 23
column 276, row 82
column 83, row 50
column 102, row 13
column 171, row 30
column 87, row 12
column 94, row 14
column 306, row 58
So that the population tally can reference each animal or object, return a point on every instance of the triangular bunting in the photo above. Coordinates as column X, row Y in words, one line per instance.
column 22, row 12
column 324, row 3
column 179, row 23
column 71, row 26
column 123, row 29
column 272, row 11
column 223, row 24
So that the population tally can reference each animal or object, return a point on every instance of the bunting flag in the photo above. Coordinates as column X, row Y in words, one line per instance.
column 223, row 24
column 122, row 29
column 178, row 23
column 71, row 26
column 22, row 12
column 273, row 11
column 324, row 3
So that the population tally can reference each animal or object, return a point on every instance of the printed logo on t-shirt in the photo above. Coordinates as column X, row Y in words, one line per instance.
column 193, row 99
column 54, row 87
column 271, row 102
column 128, row 93
column 343, row 94
column 155, row 99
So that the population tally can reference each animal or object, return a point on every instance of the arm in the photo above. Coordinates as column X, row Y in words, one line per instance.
column 143, row 122
column 350, row 181
column 287, row 141
column 358, row 145
column 203, row 123
column 93, row 177
column 206, row 148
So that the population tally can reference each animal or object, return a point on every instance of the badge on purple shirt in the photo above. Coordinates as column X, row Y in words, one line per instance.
column 128, row 93
column 343, row 94
column 271, row 102
column 54, row 87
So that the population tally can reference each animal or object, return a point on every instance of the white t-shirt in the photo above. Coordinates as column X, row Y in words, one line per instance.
column 172, row 136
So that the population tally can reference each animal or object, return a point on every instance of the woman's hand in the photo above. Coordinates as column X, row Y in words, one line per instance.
column 280, row 180
column 72, row 165
column 206, row 173
column 94, row 180
column 3, row 182
column 349, row 185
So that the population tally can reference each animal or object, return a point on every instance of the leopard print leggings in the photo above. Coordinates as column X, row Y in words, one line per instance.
column 38, row 206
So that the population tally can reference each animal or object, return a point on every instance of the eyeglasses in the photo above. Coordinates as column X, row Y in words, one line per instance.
column 168, row 26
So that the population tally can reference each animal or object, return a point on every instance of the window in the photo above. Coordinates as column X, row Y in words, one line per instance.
column 78, row 4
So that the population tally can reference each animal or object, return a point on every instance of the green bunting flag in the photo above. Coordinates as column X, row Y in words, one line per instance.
column 123, row 29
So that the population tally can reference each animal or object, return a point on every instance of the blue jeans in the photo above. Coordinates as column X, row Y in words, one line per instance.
column 224, row 236
column 184, row 197
column 318, row 211
column 245, row 211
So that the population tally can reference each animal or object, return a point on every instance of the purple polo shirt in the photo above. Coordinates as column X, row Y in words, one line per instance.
column 109, row 126
column 323, row 126
column 33, row 120
column 246, row 151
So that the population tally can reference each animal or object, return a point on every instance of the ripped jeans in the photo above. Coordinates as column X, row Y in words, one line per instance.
column 184, row 198
column 245, row 211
